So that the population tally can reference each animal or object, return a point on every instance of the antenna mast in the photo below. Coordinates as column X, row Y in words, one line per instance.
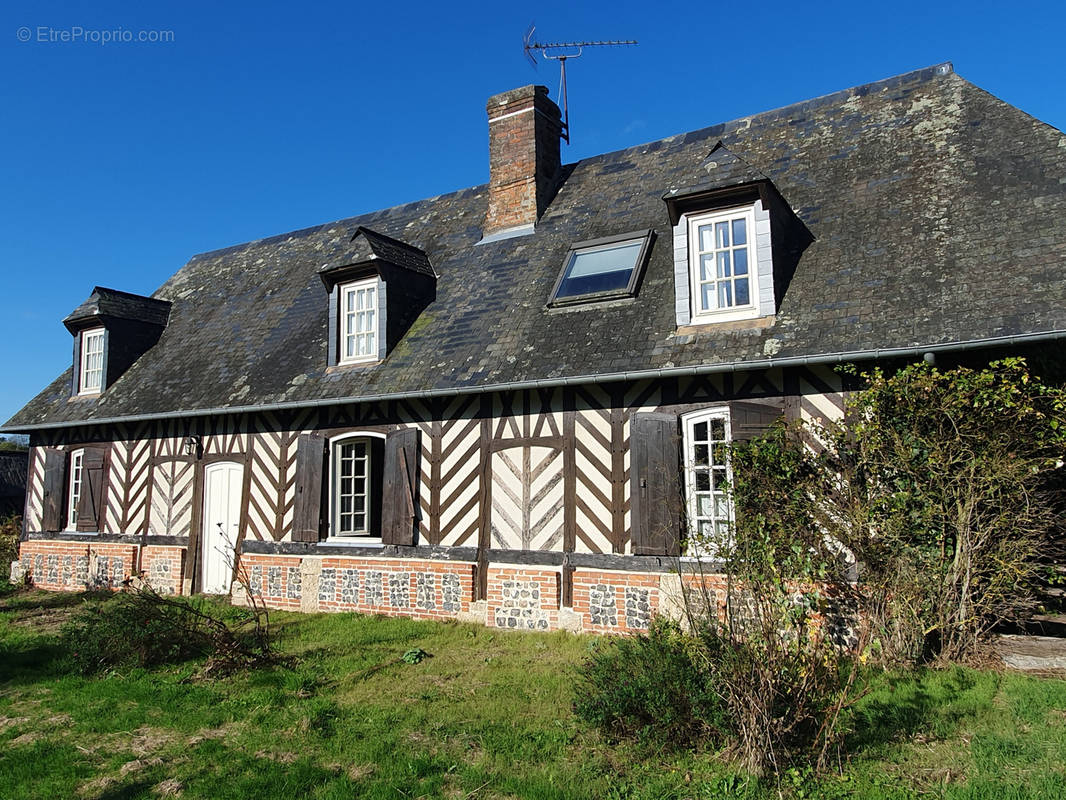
column 561, row 51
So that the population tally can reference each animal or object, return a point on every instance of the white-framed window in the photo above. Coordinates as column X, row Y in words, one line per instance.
column 723, row 273
column 91, row 368
column 355, row 471
column 708, row 475
column 359, row 321
column 74, row 488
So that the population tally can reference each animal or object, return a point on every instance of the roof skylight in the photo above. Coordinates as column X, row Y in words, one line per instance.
column 602, row 269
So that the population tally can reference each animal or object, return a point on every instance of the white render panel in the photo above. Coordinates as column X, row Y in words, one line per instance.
column 592, row 433
column 172, row 492
column 34, row 516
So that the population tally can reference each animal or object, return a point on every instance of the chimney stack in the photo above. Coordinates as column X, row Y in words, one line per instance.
column 524, row 131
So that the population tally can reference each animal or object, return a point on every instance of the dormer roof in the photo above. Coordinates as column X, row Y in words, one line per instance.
column 103, row 304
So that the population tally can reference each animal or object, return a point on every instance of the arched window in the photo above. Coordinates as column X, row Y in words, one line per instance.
column 74, row 488
column 708, row 476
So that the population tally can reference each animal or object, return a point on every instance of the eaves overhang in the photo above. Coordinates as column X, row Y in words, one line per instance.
column 821, row 359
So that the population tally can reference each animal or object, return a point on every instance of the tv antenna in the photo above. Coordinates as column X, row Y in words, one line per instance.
column 561, row 51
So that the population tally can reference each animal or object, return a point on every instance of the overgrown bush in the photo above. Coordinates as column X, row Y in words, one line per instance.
column 141, row 628
column 655, row 688
column 9, row 543
column 764, row 665
column 951, row 480
column 781, row 637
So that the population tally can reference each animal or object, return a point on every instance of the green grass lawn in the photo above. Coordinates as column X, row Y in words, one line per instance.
column 488, row 716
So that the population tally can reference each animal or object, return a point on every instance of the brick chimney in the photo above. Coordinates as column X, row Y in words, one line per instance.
column 524, row 131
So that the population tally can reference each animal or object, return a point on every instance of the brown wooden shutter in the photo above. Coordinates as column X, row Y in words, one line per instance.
column 55, row 488
column 91, row 502
column 655, row 484
column 307, row 508
column 748, row 418
column 399, row 500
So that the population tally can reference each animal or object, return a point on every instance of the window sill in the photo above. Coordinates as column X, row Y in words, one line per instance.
column 748, row 323
column 351, row 541
column 347, row 365
column 596, row 300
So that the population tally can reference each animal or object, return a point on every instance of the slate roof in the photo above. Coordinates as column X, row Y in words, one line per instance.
column 104, row 302
column 936, row 209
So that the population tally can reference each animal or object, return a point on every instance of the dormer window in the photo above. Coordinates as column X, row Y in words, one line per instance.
column 111, row 330
column 91, row 374
column 359, row 310
column 721, row 264
column 602, row 269
column 376, row 289
column 736, row 243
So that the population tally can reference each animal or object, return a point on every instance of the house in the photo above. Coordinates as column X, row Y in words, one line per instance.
column 479, row 405
column 13, row 466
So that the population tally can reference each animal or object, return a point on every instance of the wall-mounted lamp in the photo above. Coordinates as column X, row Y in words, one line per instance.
column 192, row 446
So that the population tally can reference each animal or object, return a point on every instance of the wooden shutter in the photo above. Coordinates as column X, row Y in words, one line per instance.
column 655, row 499
column 307, row 508
column 748, row 419
column 55, row 488
column 399, row 500
column 91, row 502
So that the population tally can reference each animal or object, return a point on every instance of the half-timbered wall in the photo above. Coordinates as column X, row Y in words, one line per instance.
column 524, row 470
column 528, row 486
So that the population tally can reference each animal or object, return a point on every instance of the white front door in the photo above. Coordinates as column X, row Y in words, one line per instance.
column 222, row 515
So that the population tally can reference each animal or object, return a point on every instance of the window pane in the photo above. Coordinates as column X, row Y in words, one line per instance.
column 350, row 301
column 721, row 506
column 741, row 286
column 723, row 264
column 725, row 295
column 707, row 299
column 717, row 428
column 740, row 231
column 703, row 505
column 600, row 269
column 707, row 267
column 706, row 237
column 721, row 230
column 740, row 261
column 699, row 431
column 703, row 481
column 719, row 452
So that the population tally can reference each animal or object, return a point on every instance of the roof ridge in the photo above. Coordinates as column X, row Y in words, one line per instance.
column 132, row 295
column 300, row 232
column 721, row 128
column 718, row 129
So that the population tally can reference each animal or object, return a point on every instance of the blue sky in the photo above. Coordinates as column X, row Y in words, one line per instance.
column 122, row 160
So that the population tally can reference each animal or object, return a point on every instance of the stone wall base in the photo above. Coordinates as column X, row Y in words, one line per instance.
column 520, row 597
